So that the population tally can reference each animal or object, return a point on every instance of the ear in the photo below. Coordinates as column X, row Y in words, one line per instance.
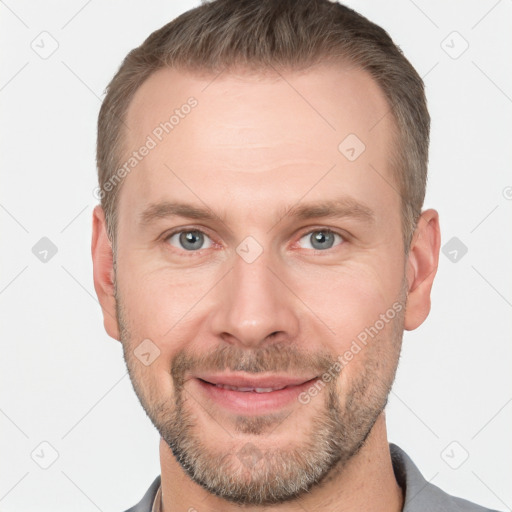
column 103, row 271
column 422, row 264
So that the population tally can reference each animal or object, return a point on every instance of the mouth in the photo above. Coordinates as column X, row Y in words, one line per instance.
column 246, row 394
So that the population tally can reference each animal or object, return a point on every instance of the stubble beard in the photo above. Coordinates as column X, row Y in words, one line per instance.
column 256, row 472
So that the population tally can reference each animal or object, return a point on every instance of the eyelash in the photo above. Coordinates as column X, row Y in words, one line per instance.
column 168, row 235
column 328, row 231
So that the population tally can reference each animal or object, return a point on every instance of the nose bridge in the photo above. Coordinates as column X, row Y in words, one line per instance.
column 254, row 304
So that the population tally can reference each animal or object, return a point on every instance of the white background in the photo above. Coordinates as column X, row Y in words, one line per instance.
column 64, row 380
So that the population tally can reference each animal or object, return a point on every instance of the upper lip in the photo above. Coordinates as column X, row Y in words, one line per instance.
column 241, row 380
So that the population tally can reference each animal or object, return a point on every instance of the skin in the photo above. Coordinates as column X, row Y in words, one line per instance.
column 252, row 148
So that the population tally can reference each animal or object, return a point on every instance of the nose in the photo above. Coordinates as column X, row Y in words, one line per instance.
column 254, row 306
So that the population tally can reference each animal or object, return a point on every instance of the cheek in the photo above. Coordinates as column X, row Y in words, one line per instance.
column 158, row 300
column 149, row 364
column 155, row 317
column 351, row 298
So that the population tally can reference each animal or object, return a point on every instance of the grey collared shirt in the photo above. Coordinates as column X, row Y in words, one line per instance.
column 419, row 495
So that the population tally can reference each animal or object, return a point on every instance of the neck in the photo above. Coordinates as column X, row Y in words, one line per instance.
column 367, row 482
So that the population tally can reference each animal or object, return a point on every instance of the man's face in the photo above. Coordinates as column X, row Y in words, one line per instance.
column 272, row 289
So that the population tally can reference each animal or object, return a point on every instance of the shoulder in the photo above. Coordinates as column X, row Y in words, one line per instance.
column 146, row 503
column 421, row 495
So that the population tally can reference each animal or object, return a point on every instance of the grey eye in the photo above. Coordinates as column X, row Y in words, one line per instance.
column 320, row 239
column 191, row 240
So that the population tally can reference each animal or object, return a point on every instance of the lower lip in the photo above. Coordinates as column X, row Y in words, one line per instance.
column 251, row 402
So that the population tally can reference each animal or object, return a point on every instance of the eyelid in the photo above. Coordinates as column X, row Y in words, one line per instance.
column 307, row 231
column 344, row 237
column 168, row 234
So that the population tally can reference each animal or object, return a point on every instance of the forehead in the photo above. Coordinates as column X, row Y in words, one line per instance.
column 215, row 134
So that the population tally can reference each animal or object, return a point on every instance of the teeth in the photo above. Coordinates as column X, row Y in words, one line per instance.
column 257, row 390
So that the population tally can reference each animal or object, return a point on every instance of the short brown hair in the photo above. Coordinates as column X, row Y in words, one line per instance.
column 279, row 34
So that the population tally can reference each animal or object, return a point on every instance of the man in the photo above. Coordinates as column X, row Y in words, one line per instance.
column 260, row 248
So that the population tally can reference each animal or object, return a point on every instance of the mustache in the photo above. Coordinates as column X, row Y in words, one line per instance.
column 282, row 358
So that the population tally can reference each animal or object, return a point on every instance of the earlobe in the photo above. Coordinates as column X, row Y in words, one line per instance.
column 421, row 269
column 103, row 272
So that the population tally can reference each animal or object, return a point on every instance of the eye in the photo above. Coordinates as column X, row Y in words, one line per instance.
column 320, row 239
column 190, row 240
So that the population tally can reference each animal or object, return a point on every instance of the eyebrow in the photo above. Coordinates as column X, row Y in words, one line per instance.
column 345, row 207
column 338, row 208
column 165, row 209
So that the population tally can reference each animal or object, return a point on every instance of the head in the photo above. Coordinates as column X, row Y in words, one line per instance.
column 262, row 170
